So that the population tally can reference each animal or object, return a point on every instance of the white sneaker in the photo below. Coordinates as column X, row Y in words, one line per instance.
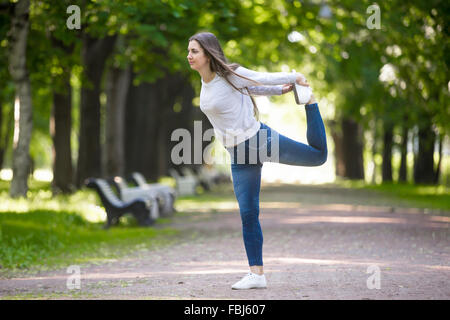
column 251, row 281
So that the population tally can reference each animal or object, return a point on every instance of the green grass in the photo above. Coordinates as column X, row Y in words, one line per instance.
column 419, row 196
column 44, row 231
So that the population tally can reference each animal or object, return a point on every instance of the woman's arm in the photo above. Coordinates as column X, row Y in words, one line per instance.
column 265, row 78
column 277, row 90
column 265, row 90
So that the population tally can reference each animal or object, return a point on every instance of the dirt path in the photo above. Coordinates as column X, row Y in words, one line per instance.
column 324, row 251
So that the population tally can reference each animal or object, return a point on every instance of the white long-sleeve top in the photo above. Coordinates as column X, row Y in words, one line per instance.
column 230, row 111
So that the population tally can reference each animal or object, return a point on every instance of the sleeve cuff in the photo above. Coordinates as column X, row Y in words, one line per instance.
column 293, row 77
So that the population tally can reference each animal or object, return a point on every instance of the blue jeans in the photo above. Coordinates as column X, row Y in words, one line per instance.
column 267, row 145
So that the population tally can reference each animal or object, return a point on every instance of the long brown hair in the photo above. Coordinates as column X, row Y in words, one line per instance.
column 219, row 63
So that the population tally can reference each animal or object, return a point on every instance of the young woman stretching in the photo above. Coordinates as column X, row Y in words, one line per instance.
column 226, row 99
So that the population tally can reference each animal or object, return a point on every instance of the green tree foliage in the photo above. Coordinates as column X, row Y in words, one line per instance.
column 397, row 74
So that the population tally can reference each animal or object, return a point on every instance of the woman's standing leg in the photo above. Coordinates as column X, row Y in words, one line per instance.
column 247, row 185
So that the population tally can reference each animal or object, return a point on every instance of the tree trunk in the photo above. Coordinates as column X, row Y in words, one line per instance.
column 2, row 146
column 185, row 119
column 336, row 134
column 5, row 139
column 403, row 173
column 118, row 81
column 374, row 151
column 387, row 152
column 141, row 124
column 23, row 104
column 170, row 120
column 61, row 124
column 437, row 172
column 150, row 121
column 352, row 149
column 94, row 54
column 424, row 164
column 60, row 129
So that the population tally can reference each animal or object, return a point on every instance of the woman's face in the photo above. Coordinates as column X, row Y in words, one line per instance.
column 196, row 56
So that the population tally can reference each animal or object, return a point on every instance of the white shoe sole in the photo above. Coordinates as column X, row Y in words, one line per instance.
column 302, row 94
column 248, row 288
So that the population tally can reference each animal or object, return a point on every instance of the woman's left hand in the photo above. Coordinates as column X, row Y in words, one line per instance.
column 287, row 87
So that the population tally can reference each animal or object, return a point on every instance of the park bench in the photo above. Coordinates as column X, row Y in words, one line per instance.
column 212, row 174
column 166, row 194
column 202, row 179
column 129, row 194
column 208, row 175
column 185, row 185
column 140, row 208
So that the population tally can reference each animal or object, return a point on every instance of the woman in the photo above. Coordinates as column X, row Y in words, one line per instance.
column 226, row 100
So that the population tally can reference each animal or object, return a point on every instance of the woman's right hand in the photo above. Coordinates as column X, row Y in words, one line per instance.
column 301, row 80
column 287, row 87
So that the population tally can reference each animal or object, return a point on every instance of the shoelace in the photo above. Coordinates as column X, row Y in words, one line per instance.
column 248, row 275
column 251, row 275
